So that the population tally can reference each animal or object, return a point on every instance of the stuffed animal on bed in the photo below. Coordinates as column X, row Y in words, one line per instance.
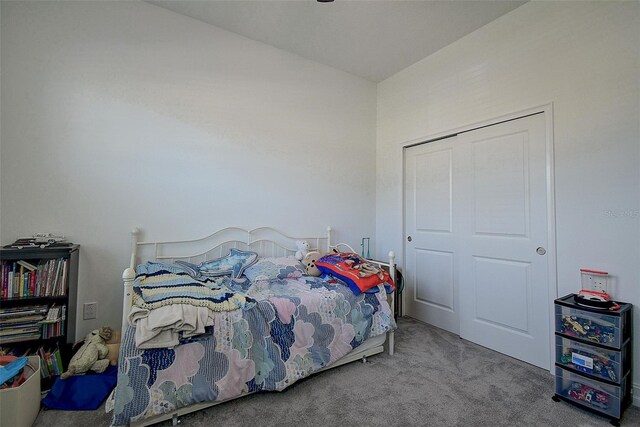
column 310, row 263
column 303, row 249
column 92, row 355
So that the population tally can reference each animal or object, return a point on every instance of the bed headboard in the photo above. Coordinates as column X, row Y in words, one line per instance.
column 266, row 241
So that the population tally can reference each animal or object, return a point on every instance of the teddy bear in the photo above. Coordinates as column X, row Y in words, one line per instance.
column 303, row 249
column 92, row 355
column 113, row 344
column 310, row 263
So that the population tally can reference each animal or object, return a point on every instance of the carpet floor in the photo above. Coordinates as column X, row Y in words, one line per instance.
column 434, row 379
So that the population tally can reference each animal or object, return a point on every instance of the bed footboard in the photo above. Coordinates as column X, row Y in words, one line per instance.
column 391, row 298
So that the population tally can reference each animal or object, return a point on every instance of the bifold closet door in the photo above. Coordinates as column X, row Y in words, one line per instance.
column 476, row 215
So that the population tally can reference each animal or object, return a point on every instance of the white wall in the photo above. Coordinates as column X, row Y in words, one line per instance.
column 584, row 58
column 122, row 114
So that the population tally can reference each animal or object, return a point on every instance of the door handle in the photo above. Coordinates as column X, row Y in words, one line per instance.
column 409, row 238
column 541, row 250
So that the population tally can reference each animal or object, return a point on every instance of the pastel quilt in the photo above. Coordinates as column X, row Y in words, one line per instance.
column 297, row 327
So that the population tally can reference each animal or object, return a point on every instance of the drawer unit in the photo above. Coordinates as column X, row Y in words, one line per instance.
column 606, row 398
column 600, row 363
column 589, row 327
column 593, row 357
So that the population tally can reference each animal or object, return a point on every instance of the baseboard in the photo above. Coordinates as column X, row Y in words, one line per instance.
column 636, row 395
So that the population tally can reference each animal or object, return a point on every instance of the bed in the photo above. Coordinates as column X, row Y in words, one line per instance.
column 253, row 333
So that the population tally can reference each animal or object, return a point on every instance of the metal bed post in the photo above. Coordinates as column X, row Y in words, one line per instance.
column 128, row 276
column 392, row 271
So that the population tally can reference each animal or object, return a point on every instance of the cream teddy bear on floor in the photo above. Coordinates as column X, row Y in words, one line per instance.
column 92, row 355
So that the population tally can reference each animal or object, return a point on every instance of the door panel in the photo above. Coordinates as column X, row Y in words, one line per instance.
column 435, row 269
column 511, row 281
column 433, row 201
column 504, row 303
column 430, row 277
column 500, row 185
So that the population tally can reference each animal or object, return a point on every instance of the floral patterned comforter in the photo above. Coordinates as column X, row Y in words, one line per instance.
column 297, row 327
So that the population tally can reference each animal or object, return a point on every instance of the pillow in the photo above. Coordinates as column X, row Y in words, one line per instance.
column 275, row 268
column 232, row 265
column 354, row 270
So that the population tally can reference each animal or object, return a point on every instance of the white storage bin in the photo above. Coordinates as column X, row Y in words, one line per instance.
column 19, row 406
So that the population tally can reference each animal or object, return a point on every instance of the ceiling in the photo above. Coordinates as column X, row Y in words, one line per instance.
column 371, row 39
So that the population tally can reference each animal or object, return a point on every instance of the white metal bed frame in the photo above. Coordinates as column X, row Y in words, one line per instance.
column 267, row 242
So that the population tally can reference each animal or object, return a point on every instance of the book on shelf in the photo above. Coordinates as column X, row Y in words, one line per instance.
column 53, row 323
column 19, row 331
column 6, row 339
column 21, row 319
column 38, row 309
column 27, row 265
column 32, row 322
column 25, row 324
column 50, row 361
column 21, row 278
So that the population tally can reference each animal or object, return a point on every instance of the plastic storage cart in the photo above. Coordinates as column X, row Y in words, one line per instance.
column 593, row 357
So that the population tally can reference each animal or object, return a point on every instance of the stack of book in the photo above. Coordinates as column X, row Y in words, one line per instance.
column 50, row 362
column 53, row 324
column 21, row 323
column 23, row 279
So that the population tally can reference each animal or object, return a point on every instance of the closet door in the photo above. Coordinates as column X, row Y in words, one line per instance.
column 504, row 292
column 431, row 244
column 476, row 237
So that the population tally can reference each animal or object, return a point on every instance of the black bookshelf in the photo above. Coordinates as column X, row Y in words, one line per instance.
column 68, row 290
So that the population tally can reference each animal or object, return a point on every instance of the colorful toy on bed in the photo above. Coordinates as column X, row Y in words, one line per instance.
column 303, row 249
column 354, row 270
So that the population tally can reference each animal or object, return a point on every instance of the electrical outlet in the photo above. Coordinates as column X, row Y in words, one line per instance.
column 89, row 310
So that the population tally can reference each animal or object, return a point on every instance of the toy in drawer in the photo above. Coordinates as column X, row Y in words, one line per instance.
column 588, row 326
column 601, row 363
column 611, row 328
column 592, row 394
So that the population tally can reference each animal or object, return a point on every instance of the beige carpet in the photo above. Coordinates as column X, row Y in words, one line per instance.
column 434, row 379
